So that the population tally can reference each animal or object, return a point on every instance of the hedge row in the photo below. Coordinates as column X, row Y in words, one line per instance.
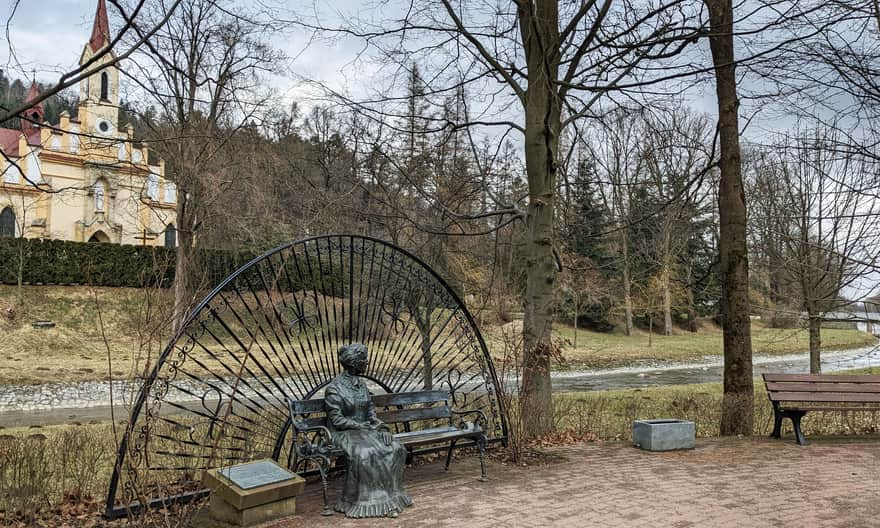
column 63, row 262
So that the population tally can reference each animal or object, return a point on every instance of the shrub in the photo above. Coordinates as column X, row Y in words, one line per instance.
column 63, row 262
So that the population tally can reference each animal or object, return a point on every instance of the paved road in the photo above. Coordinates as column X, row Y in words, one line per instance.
column 721, row 484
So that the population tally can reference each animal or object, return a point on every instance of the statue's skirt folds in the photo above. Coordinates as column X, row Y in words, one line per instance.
column 374, row 476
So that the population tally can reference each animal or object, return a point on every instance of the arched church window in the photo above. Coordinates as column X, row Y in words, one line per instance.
column 7, row 223
column 170, row 236
column 100, row 191
column 105, row 86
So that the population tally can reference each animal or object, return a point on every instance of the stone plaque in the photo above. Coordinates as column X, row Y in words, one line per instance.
column 255, row 474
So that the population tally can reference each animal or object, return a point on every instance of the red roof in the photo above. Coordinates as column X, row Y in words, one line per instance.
column 9, row 141
column 33, row 93
column 100, row 28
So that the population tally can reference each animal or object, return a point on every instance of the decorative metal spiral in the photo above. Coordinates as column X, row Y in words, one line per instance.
column 271, row 331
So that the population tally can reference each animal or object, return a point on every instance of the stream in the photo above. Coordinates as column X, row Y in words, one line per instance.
column 81, row 402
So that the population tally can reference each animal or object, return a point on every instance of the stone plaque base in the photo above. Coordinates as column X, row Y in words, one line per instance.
column 258, row 503
column 664, row 435
column 220, row 510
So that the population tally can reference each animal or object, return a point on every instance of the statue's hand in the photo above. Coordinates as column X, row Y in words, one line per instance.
column 387, row 438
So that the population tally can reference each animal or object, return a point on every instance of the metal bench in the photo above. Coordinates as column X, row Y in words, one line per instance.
column 794, row 395
column 419, row 418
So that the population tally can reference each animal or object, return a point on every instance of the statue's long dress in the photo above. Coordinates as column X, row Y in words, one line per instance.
column 374, row 477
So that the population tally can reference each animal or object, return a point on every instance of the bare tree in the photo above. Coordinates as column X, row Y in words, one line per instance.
column 677, row 153
column 203, row 71
column 826, row 231
column 540, row 67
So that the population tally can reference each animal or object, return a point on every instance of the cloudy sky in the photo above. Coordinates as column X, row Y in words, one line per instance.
column 46, row 38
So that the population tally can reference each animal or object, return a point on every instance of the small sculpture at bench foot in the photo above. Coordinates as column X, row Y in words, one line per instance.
column 374, row 480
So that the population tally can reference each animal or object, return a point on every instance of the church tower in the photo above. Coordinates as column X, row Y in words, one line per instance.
column 99, row 93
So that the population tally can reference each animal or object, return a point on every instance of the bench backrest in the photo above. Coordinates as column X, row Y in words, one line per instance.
column 401, row 407
column 823, row 388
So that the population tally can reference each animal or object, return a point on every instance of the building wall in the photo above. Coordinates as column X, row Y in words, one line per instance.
column 65, row 207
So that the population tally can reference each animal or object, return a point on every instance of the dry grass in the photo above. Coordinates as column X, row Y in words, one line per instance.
column 608, row 415
column 75, row 349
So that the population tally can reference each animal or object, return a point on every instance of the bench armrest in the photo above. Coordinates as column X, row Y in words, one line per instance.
column 305, row 446
column 479, row 422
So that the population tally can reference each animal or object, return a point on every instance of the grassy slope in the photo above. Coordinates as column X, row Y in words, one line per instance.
column 596, row 350
column 76, row 351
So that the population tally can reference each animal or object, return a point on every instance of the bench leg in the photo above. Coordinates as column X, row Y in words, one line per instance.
column 481, row 444
column 449, row 454
column 796, row 423
column 323, row 468
column 777, row 424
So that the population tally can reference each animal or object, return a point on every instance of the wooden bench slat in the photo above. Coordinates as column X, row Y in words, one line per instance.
column 410, row 398
column 390, row 417
column 308, row 406
column 433, row 438
column 434, row 430
column 870, row 407
column 794, row 386
column 824, row 397
column 314, row 421
column 823, row 378
column 379, row 400
column 414, row 415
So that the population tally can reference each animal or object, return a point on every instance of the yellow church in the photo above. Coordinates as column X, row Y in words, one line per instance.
column 84, row 179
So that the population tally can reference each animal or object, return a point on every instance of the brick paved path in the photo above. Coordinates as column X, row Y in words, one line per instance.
column 721, row 484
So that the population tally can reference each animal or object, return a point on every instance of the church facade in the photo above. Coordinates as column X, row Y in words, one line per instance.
column 84, row 179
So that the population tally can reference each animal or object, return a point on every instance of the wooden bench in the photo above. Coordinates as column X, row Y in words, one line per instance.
column 416, row 419
column 794, row 395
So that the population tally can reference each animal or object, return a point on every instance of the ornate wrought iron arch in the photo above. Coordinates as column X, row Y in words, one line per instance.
column 270, row 331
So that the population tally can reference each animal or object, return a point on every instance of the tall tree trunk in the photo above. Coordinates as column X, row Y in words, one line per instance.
column 627, row 285
column 691, row 310
column 667, row 302
column 737, row 413
column 815, row 343
column 666, row 275
column 184, row 262
column 540, row 34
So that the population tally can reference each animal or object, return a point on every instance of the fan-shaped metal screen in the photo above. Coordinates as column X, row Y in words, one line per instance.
column 269, row 332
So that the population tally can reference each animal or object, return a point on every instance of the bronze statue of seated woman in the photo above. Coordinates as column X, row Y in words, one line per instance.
column 374, row 479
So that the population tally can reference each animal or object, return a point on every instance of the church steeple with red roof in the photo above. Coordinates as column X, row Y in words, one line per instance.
column 99, row 92
column 100, row 28
column 33, row 116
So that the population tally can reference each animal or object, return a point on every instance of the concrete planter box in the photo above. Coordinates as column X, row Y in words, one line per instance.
column 664, row 435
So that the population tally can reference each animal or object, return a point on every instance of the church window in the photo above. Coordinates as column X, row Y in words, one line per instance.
column 99, row 191
column 153, row 187
column 11, row 174
column 105, row 86
column 7, row 223
column 170, row 192
column 34, row 173
column 122, row 153
column 170, row 236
